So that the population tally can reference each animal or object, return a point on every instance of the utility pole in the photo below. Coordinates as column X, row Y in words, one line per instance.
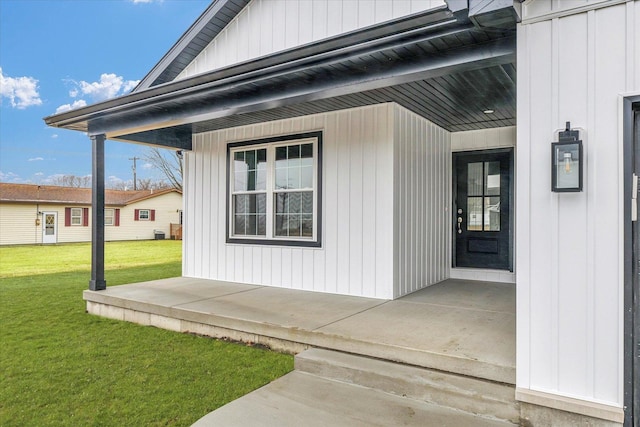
column 135, row 180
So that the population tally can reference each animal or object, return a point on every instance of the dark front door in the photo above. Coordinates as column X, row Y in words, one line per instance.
column 483, row 209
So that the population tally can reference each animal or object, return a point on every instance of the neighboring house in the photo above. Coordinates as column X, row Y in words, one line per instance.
column 32, row 214
column 371, row 149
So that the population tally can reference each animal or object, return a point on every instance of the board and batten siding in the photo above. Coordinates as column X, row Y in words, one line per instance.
column 264, row 27
column 572, row 66
column 422, row 200
column 357, row 252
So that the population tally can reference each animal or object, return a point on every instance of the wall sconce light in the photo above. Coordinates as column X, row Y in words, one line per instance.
column 566, row 162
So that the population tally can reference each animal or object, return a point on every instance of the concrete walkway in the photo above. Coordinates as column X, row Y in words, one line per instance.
column 456, row 326
column 300, row 399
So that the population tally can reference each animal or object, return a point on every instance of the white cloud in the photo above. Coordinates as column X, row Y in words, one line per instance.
column 21, row 91
column 147, row 166
column 10, row 177
column 144, row 1
column 66, row 107
column 36, row 159
column 109, row 86
column 54, row 136
column 38, row 174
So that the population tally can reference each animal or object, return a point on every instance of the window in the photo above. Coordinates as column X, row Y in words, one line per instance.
column 274, row 190
column 144, row 214
column 109, row 217
column 76, row 216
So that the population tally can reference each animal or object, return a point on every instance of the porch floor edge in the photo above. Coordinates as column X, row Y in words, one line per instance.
column 422, row 329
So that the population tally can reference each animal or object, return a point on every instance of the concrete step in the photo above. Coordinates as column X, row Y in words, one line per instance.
column 475, row 396
column 303, row 399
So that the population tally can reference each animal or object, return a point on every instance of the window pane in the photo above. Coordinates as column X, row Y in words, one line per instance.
column 306, row 176
column 281, row 178
column 475, row 179
column 293, row 151
column 307, row 202
column 474, row 213
column 262, row 225
column 306, row 151
column 238, row 225
column 281, row 153
column 240, row 203
column 295, row 205
column 250, row 158
column 492, row 178
column 251, row 180
column 250, row 170
column 294, row 214
column 250, row 214
column 261, row 170
column 293, row 180
column 251, row 224
column 307, row 225
column 492, row 214
column 294, row 225
column 281, row 225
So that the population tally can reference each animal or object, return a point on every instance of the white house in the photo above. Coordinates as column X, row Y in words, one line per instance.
column 34, row 214
column 373, row 148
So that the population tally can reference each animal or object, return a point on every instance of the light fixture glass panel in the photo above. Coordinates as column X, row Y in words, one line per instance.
column 567, row 166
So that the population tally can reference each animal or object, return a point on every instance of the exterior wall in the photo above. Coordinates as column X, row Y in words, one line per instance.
column 167, row 207
column 421, row 200
column 573, row 65
column 264, row 27
column 356, row 256
column 17, row 221
column 386, row 174
column 484, row 139
column 18, row 224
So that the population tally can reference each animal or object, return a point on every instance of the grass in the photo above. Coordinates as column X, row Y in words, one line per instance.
column 61, row 366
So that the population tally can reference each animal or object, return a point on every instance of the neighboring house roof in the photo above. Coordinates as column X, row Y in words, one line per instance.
column 30, row 193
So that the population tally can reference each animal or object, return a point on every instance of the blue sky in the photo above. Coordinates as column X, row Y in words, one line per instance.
column 57, row 54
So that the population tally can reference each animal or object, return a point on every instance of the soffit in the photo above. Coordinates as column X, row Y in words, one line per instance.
column 443, row 68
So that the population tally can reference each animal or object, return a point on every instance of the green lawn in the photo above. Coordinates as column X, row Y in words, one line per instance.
column 61, row 366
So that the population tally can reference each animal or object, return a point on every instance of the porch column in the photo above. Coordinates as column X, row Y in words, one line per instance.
column 97, row 282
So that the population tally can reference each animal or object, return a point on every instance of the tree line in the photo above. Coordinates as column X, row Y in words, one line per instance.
column 168, row 163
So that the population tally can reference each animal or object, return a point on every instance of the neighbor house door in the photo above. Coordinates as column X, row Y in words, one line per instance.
column 482, row 208
column 49, row 227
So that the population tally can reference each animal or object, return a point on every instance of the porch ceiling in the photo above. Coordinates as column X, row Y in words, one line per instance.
column 436, row 64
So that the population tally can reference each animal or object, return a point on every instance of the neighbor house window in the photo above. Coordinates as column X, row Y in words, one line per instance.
column 76, row 216
column 109, row 217
column 274, row 190
column 144, row 215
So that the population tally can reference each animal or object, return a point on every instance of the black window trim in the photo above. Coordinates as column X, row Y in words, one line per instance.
column 317, row 243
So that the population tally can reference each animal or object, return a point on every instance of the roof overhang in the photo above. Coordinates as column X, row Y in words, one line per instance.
column 437, row 63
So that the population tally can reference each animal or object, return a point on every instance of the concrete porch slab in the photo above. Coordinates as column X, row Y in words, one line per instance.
column 466, row 328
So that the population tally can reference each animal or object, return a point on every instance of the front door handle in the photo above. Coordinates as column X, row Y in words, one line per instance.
column 459, row 225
